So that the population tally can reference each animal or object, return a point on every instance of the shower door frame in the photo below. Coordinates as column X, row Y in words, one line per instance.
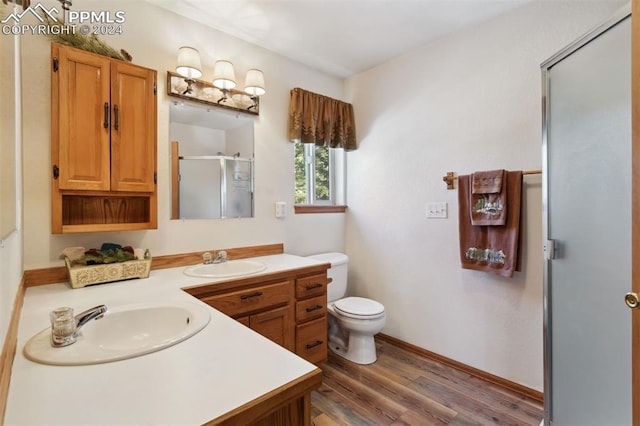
column 546, row 66
column 635, row 204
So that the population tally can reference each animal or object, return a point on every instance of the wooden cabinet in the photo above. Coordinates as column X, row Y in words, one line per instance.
column 263, row 308
column 275, row 325
column 289, row 308
column 311, row 317
column 103, row 143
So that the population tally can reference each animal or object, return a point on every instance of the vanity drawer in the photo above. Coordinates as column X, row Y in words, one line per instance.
column 311, row 308
column 250, row 300
column 311, row 340
column 314, row 285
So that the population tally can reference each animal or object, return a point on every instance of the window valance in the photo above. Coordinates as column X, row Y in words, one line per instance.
column 321, row 120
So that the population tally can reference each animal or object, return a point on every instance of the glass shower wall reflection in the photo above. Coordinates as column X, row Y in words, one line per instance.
column 211, row 163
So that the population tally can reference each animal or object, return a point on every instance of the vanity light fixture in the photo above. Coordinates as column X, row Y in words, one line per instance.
column 254, row 85
column 224, row 78
column 189, row 66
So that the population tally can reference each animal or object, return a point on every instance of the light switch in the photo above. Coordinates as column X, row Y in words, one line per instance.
column 281, row 209
column 437, row 210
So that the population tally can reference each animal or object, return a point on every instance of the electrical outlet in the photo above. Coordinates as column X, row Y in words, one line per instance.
column 437, row 210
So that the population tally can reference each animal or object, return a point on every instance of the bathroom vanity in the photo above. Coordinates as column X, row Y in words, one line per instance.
column 289, row 308
column 225, row 374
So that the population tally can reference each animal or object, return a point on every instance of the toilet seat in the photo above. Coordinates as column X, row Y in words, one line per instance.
column 359, row 307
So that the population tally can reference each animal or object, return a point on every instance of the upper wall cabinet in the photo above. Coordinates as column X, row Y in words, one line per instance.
column 103, row 143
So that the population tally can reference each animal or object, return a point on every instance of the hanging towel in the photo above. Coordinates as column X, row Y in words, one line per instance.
column 488, row 182
column 489, row 198
column 492, row 249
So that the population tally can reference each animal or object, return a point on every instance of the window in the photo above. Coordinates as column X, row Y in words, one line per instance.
column 319, row 174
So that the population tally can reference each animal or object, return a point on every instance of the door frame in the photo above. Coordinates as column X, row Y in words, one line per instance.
column 635, row 205
column 620, row 15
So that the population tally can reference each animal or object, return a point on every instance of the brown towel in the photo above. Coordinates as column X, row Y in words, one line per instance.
column 489, row 201
column 492, row 249
column 488, row 182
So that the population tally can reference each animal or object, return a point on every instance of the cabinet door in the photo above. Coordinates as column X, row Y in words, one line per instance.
column 276, row 325
column 81, row 115
column 133, row 128
column 311, row 340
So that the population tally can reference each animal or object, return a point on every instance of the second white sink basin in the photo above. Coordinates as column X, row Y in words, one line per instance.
column 230, row 268
column 124, row 332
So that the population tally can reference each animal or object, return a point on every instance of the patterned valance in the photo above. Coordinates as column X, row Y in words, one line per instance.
column 321, row 120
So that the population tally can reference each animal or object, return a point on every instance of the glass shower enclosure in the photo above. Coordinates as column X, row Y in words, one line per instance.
column 587, row 225
column 215, row 186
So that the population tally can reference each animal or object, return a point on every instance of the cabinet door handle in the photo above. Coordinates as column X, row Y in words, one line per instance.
column 250, row 295
column 116, row 123
column 314, row 308
column 311, row 287
column 106, row 115
column 314, row 344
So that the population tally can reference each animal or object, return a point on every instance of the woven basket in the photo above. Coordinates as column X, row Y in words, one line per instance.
column 84, row 275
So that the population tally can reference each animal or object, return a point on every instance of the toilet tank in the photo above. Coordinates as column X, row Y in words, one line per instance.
column 338, row 273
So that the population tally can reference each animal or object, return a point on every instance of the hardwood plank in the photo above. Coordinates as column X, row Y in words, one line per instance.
column 380, row 409
column 518, row 406
column 338, row 407
column 504, row 383
column 410, row 418
column 376, row 378
column 324, row 420
column 463, row 402
column 355, row 370
column 431, row 393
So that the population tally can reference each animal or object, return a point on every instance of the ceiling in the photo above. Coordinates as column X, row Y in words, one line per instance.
column 339, row 37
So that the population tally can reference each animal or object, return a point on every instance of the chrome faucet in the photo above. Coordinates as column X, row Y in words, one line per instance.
column 65, row 330
column 221, row 257
column 84, row 317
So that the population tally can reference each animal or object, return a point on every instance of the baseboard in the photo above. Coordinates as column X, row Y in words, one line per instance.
column 497, row 380
column 9, row 349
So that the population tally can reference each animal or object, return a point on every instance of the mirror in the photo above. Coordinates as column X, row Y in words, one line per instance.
column 211, row 162
column 8, row 135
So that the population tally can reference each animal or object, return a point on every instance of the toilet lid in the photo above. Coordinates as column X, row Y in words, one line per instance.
column 359, row 306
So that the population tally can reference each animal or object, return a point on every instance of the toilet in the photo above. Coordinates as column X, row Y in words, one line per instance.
column 353, row 321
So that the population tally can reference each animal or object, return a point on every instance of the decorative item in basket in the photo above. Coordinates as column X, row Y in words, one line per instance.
column 111, row 263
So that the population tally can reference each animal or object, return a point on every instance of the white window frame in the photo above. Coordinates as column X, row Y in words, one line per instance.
column 337, row 170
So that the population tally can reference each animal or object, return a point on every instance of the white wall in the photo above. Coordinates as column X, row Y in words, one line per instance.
column 152, row 36
column 471, row 101
column 198, row 140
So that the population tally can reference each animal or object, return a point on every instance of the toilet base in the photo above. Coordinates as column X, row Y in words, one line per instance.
column 360, row 350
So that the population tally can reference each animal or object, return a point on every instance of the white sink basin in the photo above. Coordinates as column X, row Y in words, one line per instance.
column 124, row 332
column 230, row 268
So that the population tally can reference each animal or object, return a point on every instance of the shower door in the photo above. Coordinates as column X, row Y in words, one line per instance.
column 587, row 214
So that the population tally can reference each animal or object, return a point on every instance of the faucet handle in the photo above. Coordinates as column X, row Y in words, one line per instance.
column 206, row 257
column 221, row 256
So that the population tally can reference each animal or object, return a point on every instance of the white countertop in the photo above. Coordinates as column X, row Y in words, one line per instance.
column 213, row 372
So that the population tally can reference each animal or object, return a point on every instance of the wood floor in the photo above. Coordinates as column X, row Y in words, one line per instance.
column 402, row 388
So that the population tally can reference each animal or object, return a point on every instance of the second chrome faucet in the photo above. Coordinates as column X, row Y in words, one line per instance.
column 218, row 257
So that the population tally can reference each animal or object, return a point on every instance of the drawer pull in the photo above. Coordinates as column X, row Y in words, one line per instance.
column 117, row 117
column 314, row 308
column 314, row 344
column 250, row 295
column 311, row 287
column 106, row 115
